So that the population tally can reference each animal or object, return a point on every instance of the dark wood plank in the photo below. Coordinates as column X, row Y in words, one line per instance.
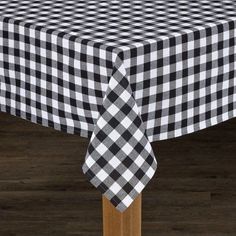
column 43, row 191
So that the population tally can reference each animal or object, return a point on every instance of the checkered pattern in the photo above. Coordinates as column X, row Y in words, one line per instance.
column 124, row 73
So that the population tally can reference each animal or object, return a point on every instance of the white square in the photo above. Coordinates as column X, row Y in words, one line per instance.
column 90, row 68
column 178, row 132
column 153, row 56
column 83, row 125
column 190, row 112
column 140, row 60
column 202, row 125
column 179, row 48
column 43, row 36
column 125, row 96
column 11, row 27
column 166, row 87
column 127, row 148
column 33, row 111
column 66, row 92
column 101, row 149
column 54, row 39
column 127, row 201
column 56, row 119
column 213, row 105
column 202, row 75
column 179, row 65
column 165, row 103
column 115, row 188
column 226, row 68
column 213, row 121
column 139, row 187
column 154, row 73
column 148, row 147
column 65, row 43
column 102, row 54
column 11, row 59
column 138, row 135
column 166, row 70
column 203, row 42
column 92, row 100
column 90, row 50
column 178, row 116
column 23, row 107
column 225, row 84
column 11, row 43
column 114, row 135
column 139, row 77
column 112, row 83
column 89, row 161
column 203, row 59
column 12, row 73
column 225, row 101
column 190, row 129
column 139, row 161
column 126, row 122
column 43, row 84
column 114, row 162
column 190, row 45
column 215, row 38
column 164, row 120
column 66, row 59
column 32, row 65
column 101, row 122
column 70, row 122
column 43, row 68
column 44, row 115
column 55, row 104
column 22, row 92
column 150, row 124
column 166, row 52
column 138, row 94
column 190, row 62
column 33, row 96
column 190, row 96
column 43, row 100
column 43, row 52
column 202, row 109
column 22, row 46
column 127, row 175
column 214, row 55
column 102, row 175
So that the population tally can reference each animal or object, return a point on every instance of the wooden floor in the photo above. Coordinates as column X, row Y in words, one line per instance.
column 44, row 193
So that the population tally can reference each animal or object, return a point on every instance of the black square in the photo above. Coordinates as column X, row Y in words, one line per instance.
column 139, row 174
column 126, row 109
column 127, row 135
column 101, row 136
column 101, row 162
column 115, row 175
column 113, row 122
column 128, row 188
column 114, row 148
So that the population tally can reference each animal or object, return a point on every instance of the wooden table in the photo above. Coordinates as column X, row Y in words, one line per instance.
column 127, row 223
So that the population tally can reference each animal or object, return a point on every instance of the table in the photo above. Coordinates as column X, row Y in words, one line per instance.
column 122, row 73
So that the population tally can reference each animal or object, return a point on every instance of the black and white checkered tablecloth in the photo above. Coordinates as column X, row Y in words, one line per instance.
column 122, row 72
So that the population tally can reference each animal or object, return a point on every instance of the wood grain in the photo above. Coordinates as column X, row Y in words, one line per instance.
column 127, row 223
column 43, row 191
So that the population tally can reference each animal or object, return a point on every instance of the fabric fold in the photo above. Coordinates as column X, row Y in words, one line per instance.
column 120, row 160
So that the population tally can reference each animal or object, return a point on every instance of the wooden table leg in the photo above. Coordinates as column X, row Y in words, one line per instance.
column 127, row 223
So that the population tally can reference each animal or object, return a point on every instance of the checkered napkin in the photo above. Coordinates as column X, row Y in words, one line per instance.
column 122, row 73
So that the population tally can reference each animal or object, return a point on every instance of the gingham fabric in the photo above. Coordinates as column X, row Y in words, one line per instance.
column 123, row 73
